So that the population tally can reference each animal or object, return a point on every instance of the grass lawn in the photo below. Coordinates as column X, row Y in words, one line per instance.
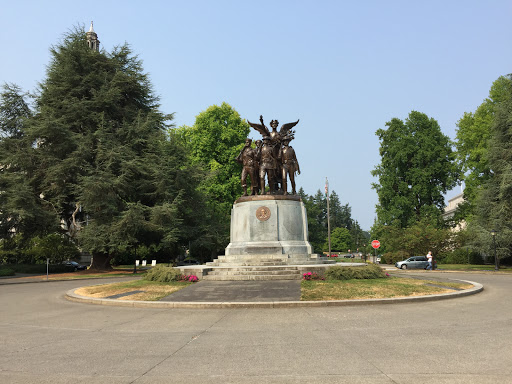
column 313, row 290
column 152, row 290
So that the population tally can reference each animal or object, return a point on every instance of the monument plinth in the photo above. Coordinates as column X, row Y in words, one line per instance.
column 269, row 225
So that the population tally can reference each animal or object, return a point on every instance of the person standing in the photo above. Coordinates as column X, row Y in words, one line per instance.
column 430, row 259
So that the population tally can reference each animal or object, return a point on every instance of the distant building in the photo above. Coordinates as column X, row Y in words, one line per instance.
column 449, row 210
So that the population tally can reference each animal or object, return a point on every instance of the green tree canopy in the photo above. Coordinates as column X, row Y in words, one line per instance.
column 494, row 201
column 214, row 142
column 417, row 167
column 22, row 211
column 341, row 240
column 473, row 134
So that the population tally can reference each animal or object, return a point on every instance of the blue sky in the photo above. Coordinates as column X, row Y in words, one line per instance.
column 343, row 68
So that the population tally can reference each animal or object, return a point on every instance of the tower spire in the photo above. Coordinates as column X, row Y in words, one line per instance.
column 92, row 39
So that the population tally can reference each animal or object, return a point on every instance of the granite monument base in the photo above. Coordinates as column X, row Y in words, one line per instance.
column 269, row 225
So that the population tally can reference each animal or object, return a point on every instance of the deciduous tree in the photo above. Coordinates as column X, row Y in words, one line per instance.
column 417, row 167
column 214, row 142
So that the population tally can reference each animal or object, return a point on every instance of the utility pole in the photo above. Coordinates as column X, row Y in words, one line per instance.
column 328, row 216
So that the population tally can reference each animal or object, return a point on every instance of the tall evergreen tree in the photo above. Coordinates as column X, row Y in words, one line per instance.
column 340, row 214
column 22, row 211
column 99, row 155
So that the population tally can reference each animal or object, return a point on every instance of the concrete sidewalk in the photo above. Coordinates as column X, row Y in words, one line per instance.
column 238, row 291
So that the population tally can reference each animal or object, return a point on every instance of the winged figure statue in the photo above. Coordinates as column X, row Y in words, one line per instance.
column 270, row 155
column 275, row 136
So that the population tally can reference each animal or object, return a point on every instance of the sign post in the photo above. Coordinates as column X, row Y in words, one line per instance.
column 375, row 245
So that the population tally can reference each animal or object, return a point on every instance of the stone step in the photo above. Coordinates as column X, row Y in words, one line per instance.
column 247, row 264
column 235, row 272
column 255, row 256
column 251, row 277
column 259, row 263
column 256, row 268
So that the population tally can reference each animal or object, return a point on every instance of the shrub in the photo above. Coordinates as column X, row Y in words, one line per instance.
column 393, row 257
column 370, row 271
column 36, row 268
column 461, row 256
column 311, row 276
column 54, row 246
column 163, row 274
column 190, row 278
column 6, row 272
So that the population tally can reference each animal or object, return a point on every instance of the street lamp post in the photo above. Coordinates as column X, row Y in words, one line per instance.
column 493, row 234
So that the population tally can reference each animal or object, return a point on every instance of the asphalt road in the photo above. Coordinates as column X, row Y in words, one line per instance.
column 47, row 339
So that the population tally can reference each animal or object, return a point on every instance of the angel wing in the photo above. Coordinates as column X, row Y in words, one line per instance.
column 285, row 128
column 260, row 127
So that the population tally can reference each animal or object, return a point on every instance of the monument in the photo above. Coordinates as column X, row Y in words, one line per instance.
column 269, row 226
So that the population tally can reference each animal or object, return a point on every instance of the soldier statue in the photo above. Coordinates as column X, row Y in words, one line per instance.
column 268, row 165
column 247, row 158
column 290, row 165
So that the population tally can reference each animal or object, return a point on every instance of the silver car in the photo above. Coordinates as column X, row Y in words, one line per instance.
column 417, row 262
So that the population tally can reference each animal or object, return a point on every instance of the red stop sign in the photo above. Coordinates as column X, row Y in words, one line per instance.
column 375, row 244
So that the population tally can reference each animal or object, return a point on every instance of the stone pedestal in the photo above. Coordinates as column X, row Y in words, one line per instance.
column 270, row 226
column 269, row 241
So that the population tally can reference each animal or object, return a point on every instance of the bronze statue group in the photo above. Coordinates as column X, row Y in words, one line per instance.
column 272, row 158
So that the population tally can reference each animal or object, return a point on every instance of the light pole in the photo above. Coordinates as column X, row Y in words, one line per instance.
column 493, row 234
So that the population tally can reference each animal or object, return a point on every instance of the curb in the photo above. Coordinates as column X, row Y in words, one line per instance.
column 72, row 296
column 43, row 280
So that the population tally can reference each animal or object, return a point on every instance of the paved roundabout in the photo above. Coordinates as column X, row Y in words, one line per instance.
column 46, row 338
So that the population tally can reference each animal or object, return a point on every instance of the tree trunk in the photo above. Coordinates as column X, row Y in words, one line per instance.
column 101, row 261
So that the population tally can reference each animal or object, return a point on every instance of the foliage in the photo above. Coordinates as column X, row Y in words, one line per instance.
column 394, row 257
column 461, row 256
column 95, row 159
column 55, row 247
column 22, row 211
column 38, row 269
column 163, row 274
column 7, row 272
column 340, row 214
column 340, row 240
column 312, row 276
column 417, row 239
column 213, row 143
column 494, row 200
column 316, row 208
column 14, row 110
column 417, row 167
column 340, row 222
column 472, row 142
column 370, row 271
